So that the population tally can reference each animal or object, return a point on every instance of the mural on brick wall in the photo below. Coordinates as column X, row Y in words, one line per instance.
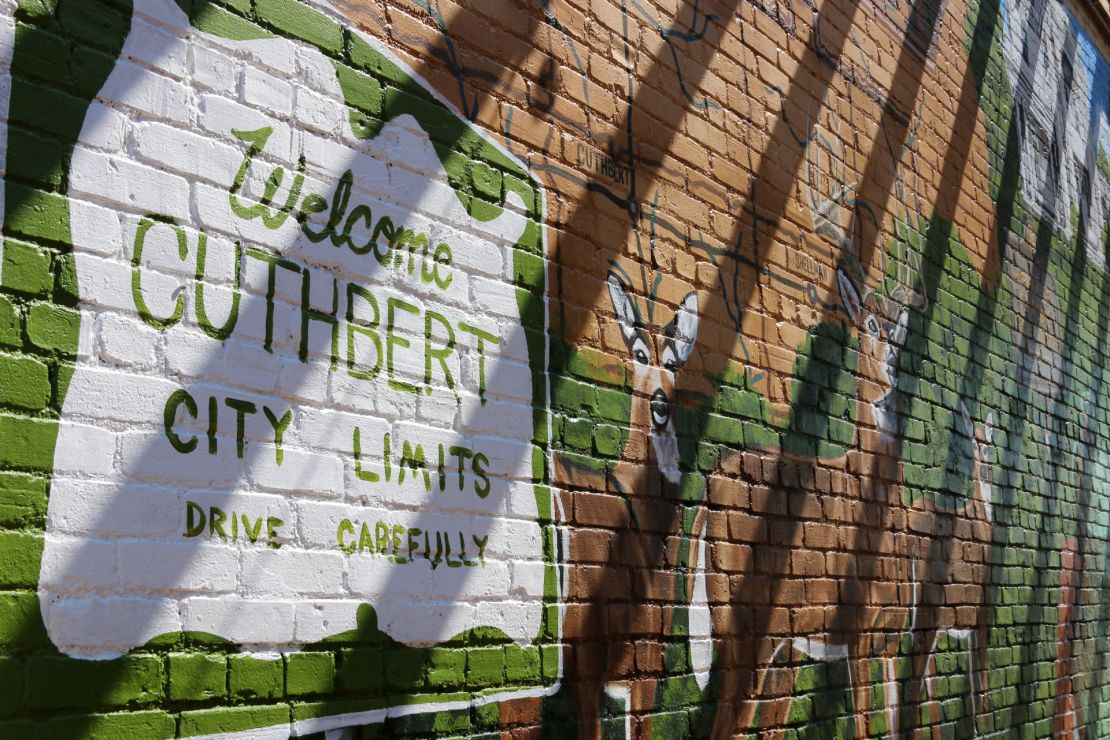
column 610, row 370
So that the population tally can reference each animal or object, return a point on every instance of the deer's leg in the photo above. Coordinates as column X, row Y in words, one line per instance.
column 586, row 666
column 915, row 688
column 745, row 661
column 929, row 683
column 981, row 637
column 587, row 705
column 699, row 608
column 859, row 672
column 776, row 691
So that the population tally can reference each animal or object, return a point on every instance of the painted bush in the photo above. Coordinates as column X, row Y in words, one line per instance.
column 587, row 369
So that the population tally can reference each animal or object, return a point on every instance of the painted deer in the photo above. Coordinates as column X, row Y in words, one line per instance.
column 895, row 547
column 635, row 587
column 899, row 541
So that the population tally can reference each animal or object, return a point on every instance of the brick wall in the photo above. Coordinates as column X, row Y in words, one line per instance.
column 565, row 368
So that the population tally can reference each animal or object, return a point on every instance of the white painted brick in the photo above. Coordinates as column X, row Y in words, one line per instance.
column 148, row 457
column 250, row 621
column 214, row 217
column 98, row 451
column 7, row 34
column 219, row 300
column 323, row 293
column 113, row 394
column 161, row 293
column 357, row 394
column 128, row 185
column 439, row 621
column 334, row 430
column 168, row 15
column 103, row 627
column 491, row 297
column 507, row 457
column 434, row 198
column 216, row 71
column 507, row 228
column 105, row 128
column 97, row 228
column 514, row 343
column 415, row 432
column 127, row 341
column 77, row 565
column 255, row 426
column 292, row 573
column 162, row 51
column 524, row 617
column 251, row 505
column 403, row 133
column 190, row 353
column 104, row 283
column 285, row 329
column 469, row 252
column 167, row 567
column 372, row 575
column 505, row 380
column 316, row 620
column 186, row 153
column 86, row 335
column 307, row 381
column 489, row 582
column 496, row 416
column 316, row 71
column 328, row 159
column 150, row 95
column 315, row 111
column 112, row 509
column 287, row 282
column 318, row 522
column 439, row 409
column 527, row 581
column 278, row 55
column 266, row 92
column 514, row 540
column 247, row 364
column 221, row 116
column 304, row 472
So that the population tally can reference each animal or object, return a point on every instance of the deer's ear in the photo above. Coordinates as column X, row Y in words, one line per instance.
column 623, row 308
column 849, row 296
column 686, row 327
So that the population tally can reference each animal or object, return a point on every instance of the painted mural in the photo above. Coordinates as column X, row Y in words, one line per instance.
column 715, row 369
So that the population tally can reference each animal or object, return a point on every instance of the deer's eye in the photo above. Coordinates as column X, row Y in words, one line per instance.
column 640, row 356
column 670, row 365
column 872, row 326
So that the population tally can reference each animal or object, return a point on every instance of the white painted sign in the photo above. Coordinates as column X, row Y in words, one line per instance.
column 302, row 383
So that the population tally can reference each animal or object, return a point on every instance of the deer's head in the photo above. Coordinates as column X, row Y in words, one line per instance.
column 657, row 354
column 880, row 342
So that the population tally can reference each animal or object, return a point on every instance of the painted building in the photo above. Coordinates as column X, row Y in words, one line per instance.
column 571, row 368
